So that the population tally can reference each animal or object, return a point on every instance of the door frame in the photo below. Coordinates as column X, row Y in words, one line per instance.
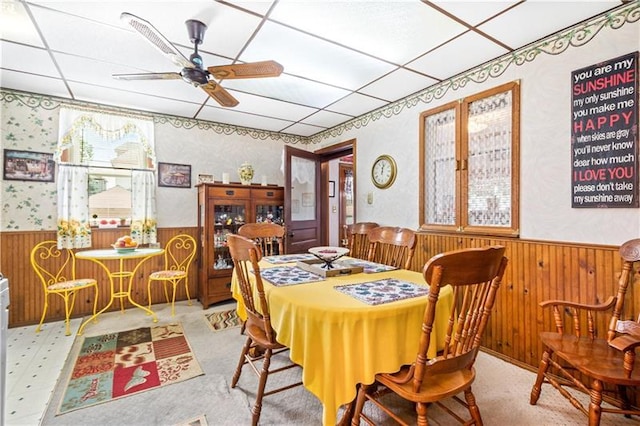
column 327, row 154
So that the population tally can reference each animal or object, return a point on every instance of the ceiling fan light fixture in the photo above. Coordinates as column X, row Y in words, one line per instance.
column 194, row 76
column 196, row 30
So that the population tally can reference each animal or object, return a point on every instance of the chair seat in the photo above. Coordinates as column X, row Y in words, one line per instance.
column 71, row 284
column 594, row 358
column 167, row 275
column 259, row 336
column 433, row 389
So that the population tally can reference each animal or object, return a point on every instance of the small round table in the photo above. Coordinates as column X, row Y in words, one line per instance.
column 103, row 255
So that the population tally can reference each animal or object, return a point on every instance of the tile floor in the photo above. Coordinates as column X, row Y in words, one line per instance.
column 34, row 361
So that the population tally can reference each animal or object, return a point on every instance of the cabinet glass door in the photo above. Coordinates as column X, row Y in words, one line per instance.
column 228, row 218
column 270, row 213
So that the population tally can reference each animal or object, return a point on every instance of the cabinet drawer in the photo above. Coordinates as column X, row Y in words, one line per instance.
column 230, row 192
column 267, row 193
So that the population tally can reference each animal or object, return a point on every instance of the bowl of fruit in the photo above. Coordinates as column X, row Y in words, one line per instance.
column 125, row 244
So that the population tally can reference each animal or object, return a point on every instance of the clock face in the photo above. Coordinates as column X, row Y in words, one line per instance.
column 383, row 172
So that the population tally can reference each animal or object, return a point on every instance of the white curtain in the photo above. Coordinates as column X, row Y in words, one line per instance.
column 144, row 222
column 74, row 229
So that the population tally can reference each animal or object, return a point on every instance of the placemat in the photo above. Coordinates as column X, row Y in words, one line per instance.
column 288, row 258
column 383, row 291
column 288, row 275
column 368, row 267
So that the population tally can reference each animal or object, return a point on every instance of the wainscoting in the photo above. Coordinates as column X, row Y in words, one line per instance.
column 27, row 297
column 537, row 271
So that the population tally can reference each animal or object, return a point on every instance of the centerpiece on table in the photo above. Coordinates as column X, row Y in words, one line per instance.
column 125, row 244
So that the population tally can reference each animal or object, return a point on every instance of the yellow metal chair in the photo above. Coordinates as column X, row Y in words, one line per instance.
column 56, row 269
column 178, row 257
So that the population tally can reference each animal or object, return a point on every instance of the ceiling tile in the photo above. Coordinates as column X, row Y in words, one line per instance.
column 326, row 119
column 16, row 25
column 303, row 129
column 231, row 116
column 313, row 58
column 19, row 57
column 291, row 89
column 459, row 55
column 397, row 33
column 356, row 104
column 397, row 84
column 270, row 107
column 509, row 27
column 121, row 98
column 474, row 12
column 33, row 83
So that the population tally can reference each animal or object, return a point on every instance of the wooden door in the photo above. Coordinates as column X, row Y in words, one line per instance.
column 302, row 189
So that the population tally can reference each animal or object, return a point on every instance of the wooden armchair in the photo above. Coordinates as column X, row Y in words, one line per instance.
column 606, row 362
column 357, row 237
column 261, row 343
column 390, row 246
column 475, row 275
column 269, row 236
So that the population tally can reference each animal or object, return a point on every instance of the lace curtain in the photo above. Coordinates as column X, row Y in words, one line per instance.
column 144, row 221
column 90, row 138
column 74, row 229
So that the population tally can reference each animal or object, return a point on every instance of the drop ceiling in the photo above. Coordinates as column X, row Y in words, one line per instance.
column 341, row 59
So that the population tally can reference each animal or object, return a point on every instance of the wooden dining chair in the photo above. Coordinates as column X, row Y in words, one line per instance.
column 178, row 257
column 357, row 237
column 56, row 269
column 261, row 344
column 392, row 246
column 607, row 361
column 475, row 275
column 269, row 236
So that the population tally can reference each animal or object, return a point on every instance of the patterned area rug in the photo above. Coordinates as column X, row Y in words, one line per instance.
column 223, row 319
column 196, row 421
column 120, row 364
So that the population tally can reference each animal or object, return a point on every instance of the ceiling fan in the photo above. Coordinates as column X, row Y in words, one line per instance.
column 193, row 71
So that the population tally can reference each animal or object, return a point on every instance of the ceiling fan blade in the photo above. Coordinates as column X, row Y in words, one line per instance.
column 149, row 76
column 220, row 94
column 248, row 70
column 157, row 40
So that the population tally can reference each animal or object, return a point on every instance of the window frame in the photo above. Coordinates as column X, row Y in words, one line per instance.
column 461, row 184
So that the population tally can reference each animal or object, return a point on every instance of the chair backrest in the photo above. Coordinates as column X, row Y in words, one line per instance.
column 357, row 236
column 246, row 254
column 269, row 236
column 391, row 245
column 179, row 253
column 51, row 264
column 475, row 275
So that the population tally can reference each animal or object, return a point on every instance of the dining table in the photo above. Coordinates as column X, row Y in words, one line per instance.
column 340, row 340
column 121, row 277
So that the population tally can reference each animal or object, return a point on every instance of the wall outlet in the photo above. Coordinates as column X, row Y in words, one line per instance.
column 370, row 198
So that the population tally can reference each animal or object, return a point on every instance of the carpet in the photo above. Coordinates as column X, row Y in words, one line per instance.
column 119, row 364
column 223, row 319
column 196, row 421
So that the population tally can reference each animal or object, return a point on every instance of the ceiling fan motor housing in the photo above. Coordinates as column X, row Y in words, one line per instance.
column 196, row 30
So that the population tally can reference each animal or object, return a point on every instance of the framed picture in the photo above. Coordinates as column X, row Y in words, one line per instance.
column 332, row 188
column 205, row 178
column 28, row 165
column 174, row 175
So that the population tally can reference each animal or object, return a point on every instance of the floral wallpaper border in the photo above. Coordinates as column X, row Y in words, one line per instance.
column 576, row 36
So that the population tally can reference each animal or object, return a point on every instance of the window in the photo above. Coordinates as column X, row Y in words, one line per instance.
column 111, row 146
column 99, row 151
column 469, row 162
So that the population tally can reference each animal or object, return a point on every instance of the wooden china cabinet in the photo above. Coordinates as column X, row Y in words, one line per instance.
column 222, row 209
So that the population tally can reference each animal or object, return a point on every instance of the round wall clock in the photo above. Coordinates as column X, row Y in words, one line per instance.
column 383, row 172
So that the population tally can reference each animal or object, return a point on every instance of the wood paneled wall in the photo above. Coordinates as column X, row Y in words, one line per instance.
column 26, row 294
column 537, row 271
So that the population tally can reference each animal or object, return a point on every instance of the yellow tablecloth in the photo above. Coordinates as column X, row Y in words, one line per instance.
column 340, row 341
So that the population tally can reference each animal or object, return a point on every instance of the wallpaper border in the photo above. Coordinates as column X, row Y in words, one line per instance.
column 576, row 36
